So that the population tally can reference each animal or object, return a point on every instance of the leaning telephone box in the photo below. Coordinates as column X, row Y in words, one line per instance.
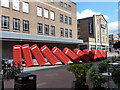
column 38, row 55
column 91, row 54
column 60, row 55
column 71, row 55
column 27, row 55
column 100, row 54
column 17, row 56
column 48, row 54
column 81, row 54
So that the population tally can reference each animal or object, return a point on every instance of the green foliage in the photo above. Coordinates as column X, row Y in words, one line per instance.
column 116, row 77
column 80, row 71
column 93, row 71
column 113, row 59
column 98, row 80
column 102, row 66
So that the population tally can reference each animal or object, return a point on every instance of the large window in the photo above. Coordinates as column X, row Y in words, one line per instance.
column 5, row 22
column 16, row 5
column 61, row 18
column 52, row 15
column 53, row 30
column 46, row 13
column 66, row 32
column 46, row 29
column 39, row 11
column 66, row 19
column 61, row 32
column 25, row 7
column 16, row 24
column 65, row 5
column 40, row 28
column 69, row 7
column 25, row 26
column 5, row 3
column 61, row 3
column 70, row 33
column 70, row 20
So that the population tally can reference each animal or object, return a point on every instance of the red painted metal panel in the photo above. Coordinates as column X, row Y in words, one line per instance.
column 27, row 55
column 82, row 55
column 91, row 54
column 100, row 54
column 71, row 55
column 48, row 54
column 17, row 56
column 38, row 55
column 60, row 55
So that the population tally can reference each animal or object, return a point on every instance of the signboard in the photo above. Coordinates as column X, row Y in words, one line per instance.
column 90, row 26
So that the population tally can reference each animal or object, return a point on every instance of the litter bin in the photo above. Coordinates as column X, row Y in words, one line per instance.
column 25, row 81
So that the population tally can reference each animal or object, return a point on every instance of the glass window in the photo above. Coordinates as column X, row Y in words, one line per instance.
column 53, row 30
column 39, row 11
column 5, row 3
column 5, row 22
column 69, row 7
column 70, row 20
column 45, row 13
column 40, row 28
column 61, row 18
column 16, row 5
column 66, row 19
column 70, row 33
column 66, row 32
column 25, row 7
column 46, row 29
column 98, row 38
column 61, row 32
column 61, row 3
column 52, row 15
column 65, row 5
column 16, row 24
column 52, row 0
column 25, row 26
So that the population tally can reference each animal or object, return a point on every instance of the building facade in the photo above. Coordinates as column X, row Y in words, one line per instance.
column 113, row 38
column 94, row 32
column 41, row 22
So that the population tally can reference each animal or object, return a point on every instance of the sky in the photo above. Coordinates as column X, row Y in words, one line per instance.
column 108, row 9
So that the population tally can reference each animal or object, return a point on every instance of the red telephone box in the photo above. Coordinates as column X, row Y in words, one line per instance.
column 60, row 55
column 71, row 55
column 38, row 55
column 48, row 54
column 17, row 56
column 27, row 55
column 81, row 54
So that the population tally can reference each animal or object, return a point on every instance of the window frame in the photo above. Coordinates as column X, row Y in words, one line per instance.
column 66, row 18
column 24, row 22
column 53, row 30
column 70, row 19
column 61, row 3
column 3, row 5
column 61, row 18
column 18, row 6
column 3, row 22
column 41, row 11
column 24, row 9
column 69, row 7
column 62, row 30
column 53, row 14
column 47, row 13
column 70, row 33
column 66, row 34
column 45, row 29
column 18, row 24
column 39, row 27
column 65, row 5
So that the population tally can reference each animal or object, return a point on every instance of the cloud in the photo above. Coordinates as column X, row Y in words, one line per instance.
column 113, row 27
column 88, row 13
